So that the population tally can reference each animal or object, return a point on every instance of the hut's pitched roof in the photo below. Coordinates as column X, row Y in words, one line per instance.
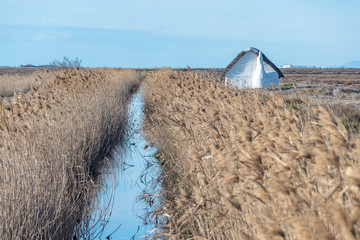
column 256, row 51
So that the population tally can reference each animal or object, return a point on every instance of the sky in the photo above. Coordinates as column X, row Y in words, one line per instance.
column 195, row 33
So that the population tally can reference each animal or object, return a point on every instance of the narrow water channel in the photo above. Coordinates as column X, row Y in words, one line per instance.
column 134, row 176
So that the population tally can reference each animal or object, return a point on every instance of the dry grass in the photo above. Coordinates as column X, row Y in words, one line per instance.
column 318, row 75
column 53, row 141
column 17, row 82
column 250, row 164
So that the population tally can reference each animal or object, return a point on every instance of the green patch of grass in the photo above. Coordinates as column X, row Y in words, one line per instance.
column 288, row 84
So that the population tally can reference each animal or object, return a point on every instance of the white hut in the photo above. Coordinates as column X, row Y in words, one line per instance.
column 252, row 69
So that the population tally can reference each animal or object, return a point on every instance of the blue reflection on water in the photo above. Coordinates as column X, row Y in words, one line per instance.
column 135, row 176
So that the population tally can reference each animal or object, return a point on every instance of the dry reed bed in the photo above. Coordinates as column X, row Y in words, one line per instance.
column 53, row 145
column 249, row 164
column 10, row 83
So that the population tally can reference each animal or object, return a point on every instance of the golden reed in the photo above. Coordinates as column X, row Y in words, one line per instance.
column 250, row 164
column 53, row 140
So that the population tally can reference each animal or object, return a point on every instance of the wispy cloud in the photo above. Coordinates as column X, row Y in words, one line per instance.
column 46, row 36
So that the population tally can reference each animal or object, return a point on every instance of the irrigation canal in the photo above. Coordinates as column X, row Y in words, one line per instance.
column 134, row 178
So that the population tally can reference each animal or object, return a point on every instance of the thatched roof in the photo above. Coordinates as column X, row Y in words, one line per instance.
column 256, row 51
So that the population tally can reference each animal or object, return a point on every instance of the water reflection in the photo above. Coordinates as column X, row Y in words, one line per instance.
column 135, row 177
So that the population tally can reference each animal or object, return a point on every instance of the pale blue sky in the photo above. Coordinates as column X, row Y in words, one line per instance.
column 198, row 33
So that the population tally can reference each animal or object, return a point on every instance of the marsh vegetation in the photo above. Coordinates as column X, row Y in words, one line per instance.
column 55, row 140
column 250, row 164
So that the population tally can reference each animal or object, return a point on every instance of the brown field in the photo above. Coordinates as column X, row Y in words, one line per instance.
column 22, row 80
column 335, row 89
column 54, row 142
column 335, row 76
column 18, row 70
column 254, row 164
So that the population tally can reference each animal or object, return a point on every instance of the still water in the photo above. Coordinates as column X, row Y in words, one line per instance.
column 136, row 174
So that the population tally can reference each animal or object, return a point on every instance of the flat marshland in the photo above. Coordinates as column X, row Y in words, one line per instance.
column 253, row 164
column 54, row 141
column 23, row 79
